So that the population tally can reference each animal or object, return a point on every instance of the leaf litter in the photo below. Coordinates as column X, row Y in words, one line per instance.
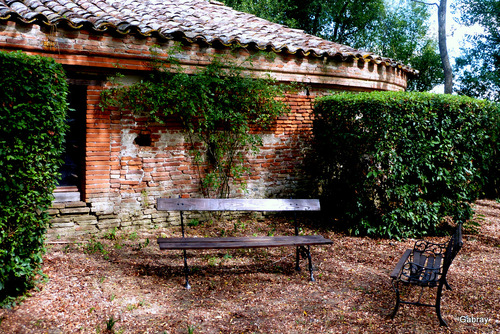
column 122, row 283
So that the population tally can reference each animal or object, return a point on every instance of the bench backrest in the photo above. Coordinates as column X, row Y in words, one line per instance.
column 440, row 256
column 452, row 249
column 237, row 204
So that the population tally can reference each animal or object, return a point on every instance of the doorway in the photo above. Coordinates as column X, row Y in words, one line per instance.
column 71, row 185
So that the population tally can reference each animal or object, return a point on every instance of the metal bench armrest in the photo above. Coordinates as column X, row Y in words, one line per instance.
column 401, row 263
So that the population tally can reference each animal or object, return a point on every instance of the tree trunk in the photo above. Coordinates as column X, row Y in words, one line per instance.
column 443, row 50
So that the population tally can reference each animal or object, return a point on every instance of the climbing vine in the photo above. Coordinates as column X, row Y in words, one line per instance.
column 218, row 106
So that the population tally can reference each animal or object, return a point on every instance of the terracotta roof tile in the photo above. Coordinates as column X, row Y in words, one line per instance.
column 195, row 19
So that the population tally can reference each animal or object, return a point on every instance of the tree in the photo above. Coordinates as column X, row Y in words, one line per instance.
column 443, row 50
column 428, row 62
column 398, row 31
column 340, row 21
column 479, row 67
column 275, row 11
column 402, row 34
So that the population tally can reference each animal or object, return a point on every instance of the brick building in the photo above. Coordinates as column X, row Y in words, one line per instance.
column 117, row 164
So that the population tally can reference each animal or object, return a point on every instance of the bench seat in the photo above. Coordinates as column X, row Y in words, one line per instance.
column 424, row 270
column 241, row 242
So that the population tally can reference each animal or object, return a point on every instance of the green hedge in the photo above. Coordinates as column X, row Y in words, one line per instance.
column 401, row 164
column 32, row 116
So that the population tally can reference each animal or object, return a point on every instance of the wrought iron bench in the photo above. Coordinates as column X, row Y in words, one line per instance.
column 301, row 242
column 426, row 266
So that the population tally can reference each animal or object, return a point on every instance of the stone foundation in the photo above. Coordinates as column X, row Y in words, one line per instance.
column 72, row 219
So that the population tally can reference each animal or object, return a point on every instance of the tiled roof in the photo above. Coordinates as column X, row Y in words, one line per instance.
column 210, row 21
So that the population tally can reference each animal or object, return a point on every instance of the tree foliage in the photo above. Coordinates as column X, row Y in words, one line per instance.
column 32, row 114
column 428, row 62
column 479, row 67
column 397, row 30
column 337, row 20
column 400, row 164
column 218, row 106
column 401, row 33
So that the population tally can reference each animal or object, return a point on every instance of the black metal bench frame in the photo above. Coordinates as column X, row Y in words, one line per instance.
column 301, row 242
column 426, row 266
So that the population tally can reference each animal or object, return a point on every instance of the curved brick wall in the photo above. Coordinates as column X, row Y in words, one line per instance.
column 123, row 179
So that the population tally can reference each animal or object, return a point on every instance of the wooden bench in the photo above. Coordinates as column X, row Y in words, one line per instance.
column 301, row 242
column 426, row 266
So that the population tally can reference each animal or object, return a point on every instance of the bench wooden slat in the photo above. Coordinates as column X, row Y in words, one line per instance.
column 249, row 239
column 435, row 263
column 419, row 258
column 237, row 204
column 429, row 264
column 240, row 242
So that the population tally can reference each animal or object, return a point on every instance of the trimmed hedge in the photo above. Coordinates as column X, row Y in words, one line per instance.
column 401, row 164
column 32, row 114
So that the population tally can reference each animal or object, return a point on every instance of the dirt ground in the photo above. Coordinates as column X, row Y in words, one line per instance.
column 124, row 283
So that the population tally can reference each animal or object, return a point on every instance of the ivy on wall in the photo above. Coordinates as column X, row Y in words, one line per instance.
column 401, row 164
column 32, row 116
column 218, row 105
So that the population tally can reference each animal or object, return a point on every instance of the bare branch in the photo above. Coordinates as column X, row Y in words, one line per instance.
column 426, row 3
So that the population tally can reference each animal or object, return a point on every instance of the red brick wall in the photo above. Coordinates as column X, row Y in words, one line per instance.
column 128, row 173
column 98, row 162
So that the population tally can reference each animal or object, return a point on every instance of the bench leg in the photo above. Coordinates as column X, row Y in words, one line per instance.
column 297, row 259
column 396, row 307
column 438, row 305
column 186, row 272
column 447, row 285
column 310, row 263
column 306, row 253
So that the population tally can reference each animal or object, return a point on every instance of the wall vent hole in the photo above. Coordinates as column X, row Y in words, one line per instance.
column 143, row 140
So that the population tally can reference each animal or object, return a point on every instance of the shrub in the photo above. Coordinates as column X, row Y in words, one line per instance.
column 400, row 164
column 32, row 113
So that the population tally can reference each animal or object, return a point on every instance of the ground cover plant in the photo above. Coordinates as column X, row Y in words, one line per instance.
column 120, row 282
column 32, row 117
